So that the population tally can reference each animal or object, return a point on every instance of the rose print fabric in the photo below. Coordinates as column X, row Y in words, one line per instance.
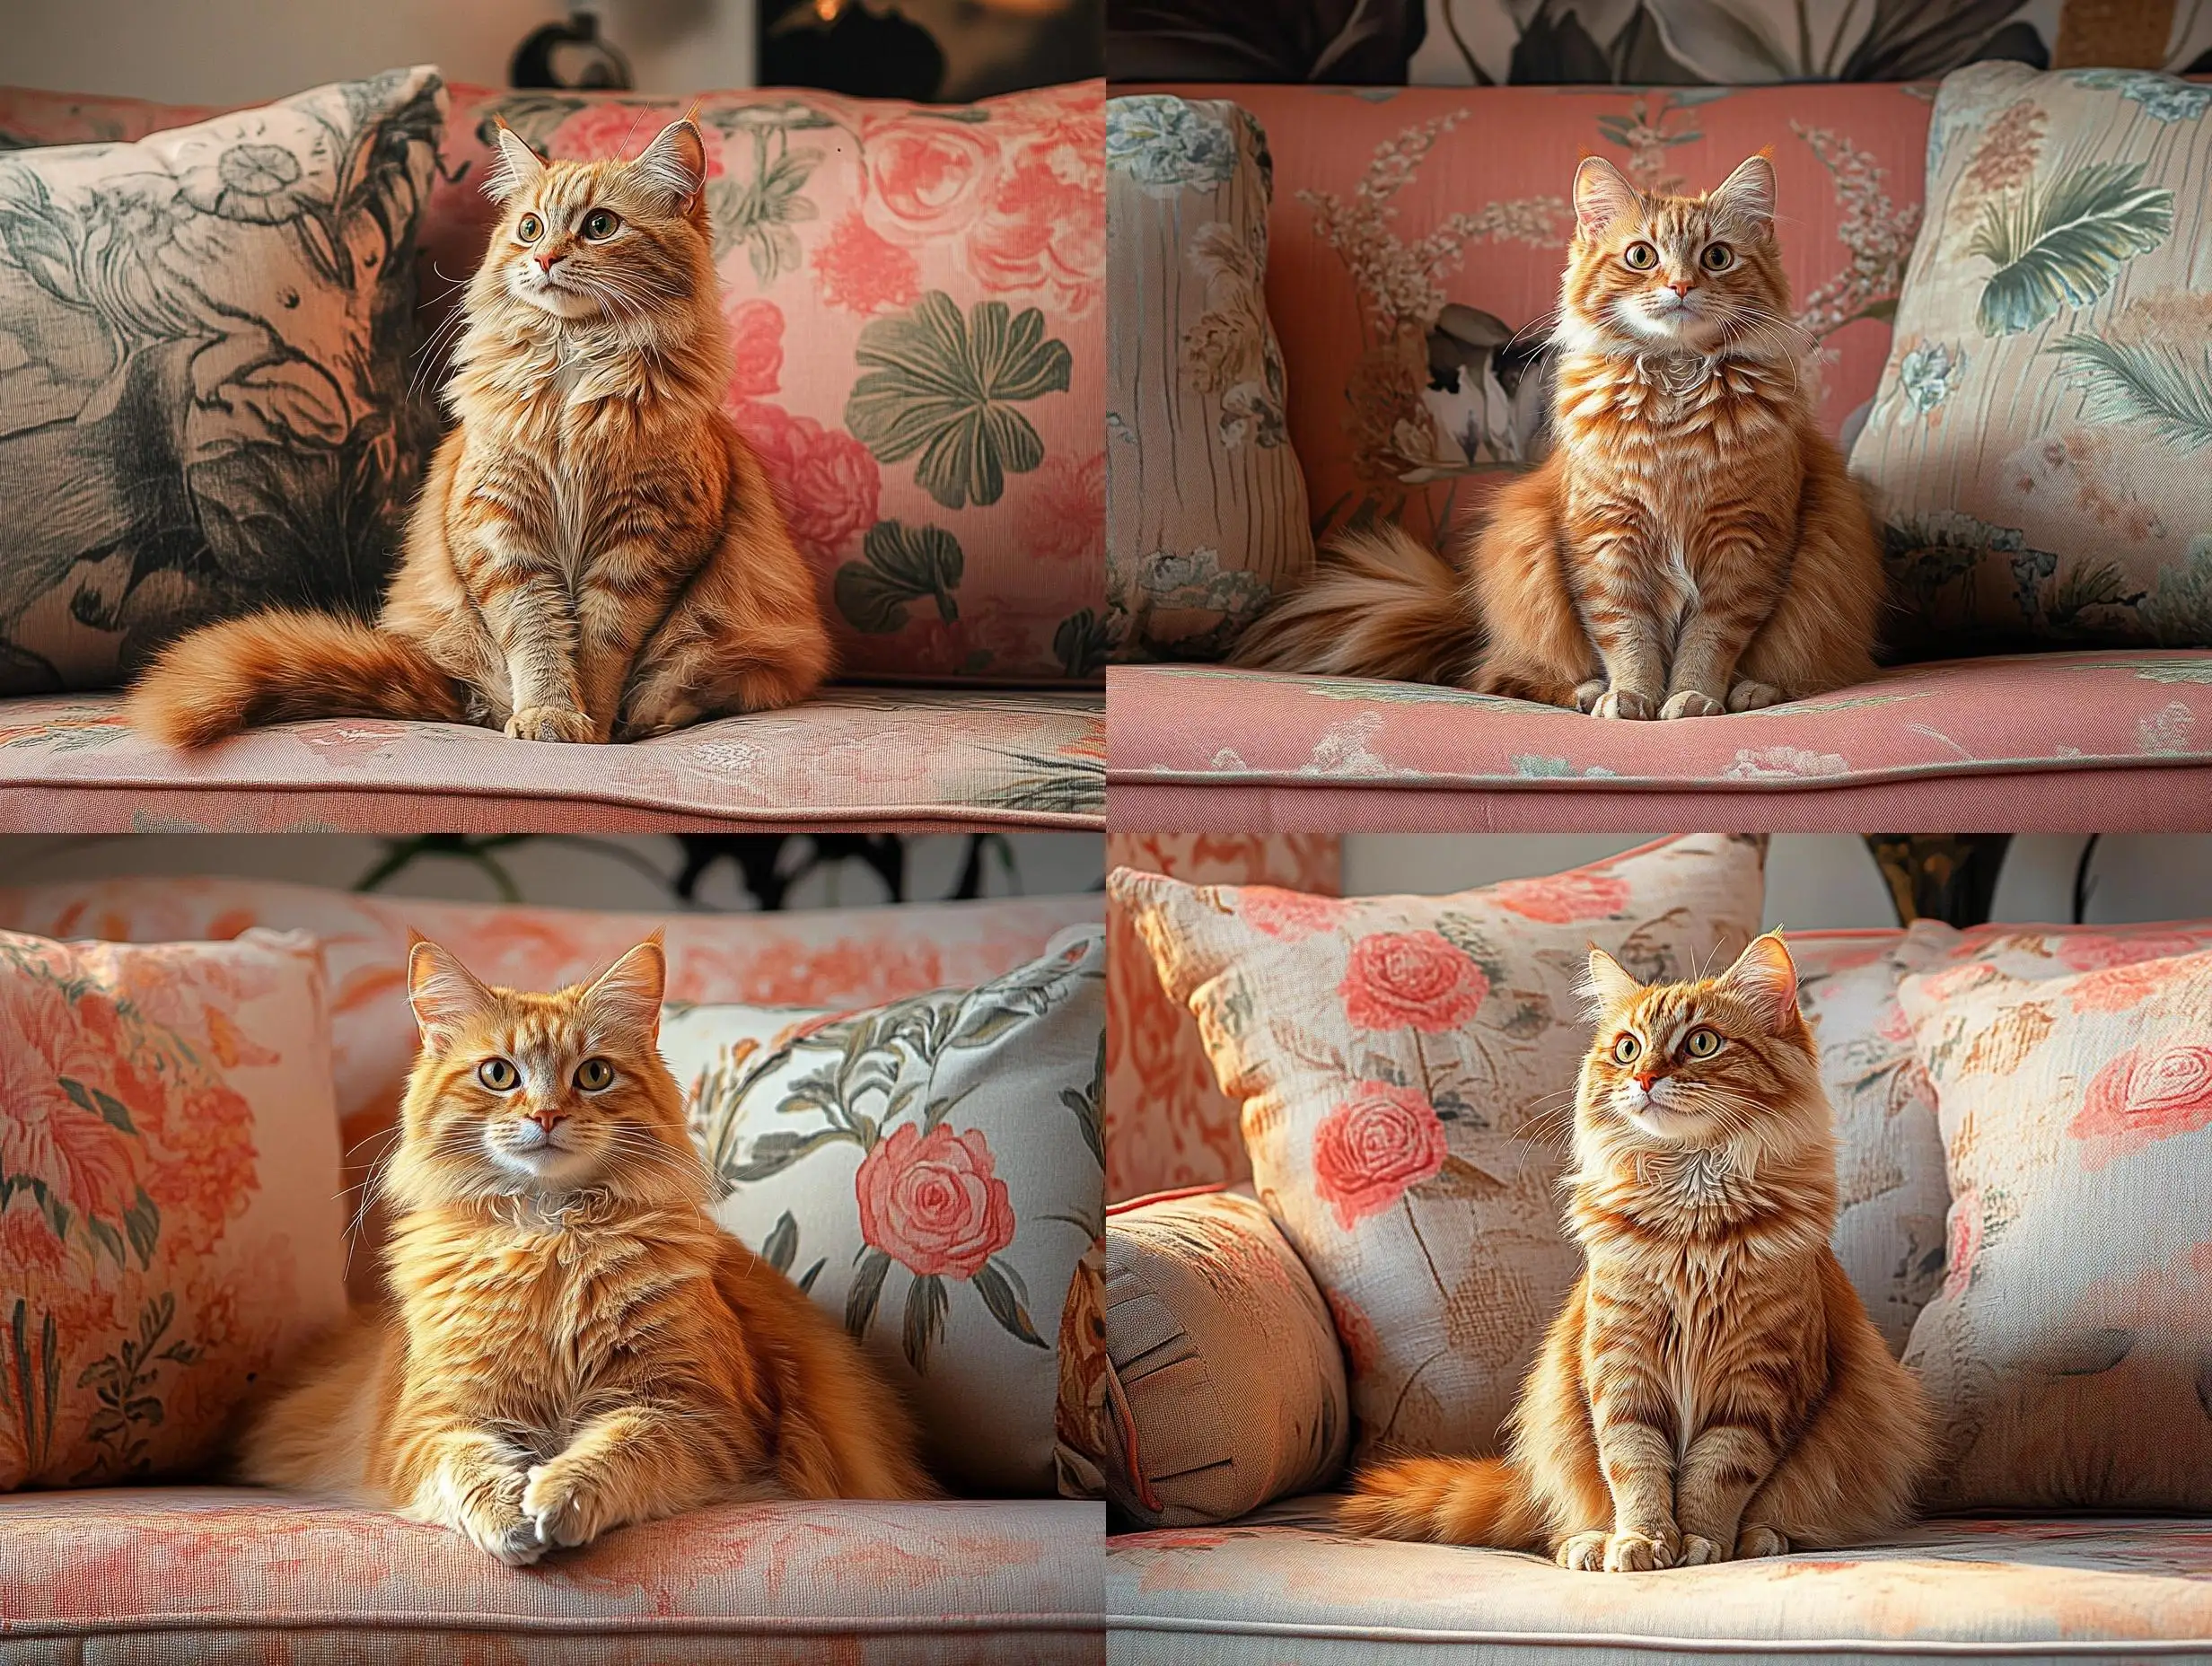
column 1402, row 1063
column 170, row 1227
column 2066, row 1351
column 2042, row 445
column 931, row 1171
column 1207, row 510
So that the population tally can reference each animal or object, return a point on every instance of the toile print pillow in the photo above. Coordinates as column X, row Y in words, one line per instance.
column 2041, row 444
column 2069, row 1353
column 204, row 397
column 1206, row 503
column 1403, row 1063
column 932, row 1171
column 170, row 1220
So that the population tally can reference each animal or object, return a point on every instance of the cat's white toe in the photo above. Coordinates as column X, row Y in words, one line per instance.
column 1689, row 702
column 1583, row 1553
column 1623, row 703
column 1698, row 1551
column 556, row 1509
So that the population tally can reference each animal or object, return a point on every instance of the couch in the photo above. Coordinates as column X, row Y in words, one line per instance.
column 2063, row 740
column 192, row 1570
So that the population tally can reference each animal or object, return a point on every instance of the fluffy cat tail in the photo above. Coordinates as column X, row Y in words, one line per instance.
column 1380, row 603
column 279, row 666
column 1452, row 1501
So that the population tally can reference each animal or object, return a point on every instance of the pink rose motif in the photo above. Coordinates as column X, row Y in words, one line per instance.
column 1287, row 915
column 1045, row 226
column 928, row 177
column 827, row 480
column 2116, row 988
column 861, row 271
column 1965, row 1242
column 1064, row 514
column 1563, row 898
column 78, row 1156
column 1372, row 1146
column 1397, row 980
column 932, row 1202
column 2150, row 1093
column 1355, row 1333
column 756, row 349
column 620, row 132
column 2094, row 953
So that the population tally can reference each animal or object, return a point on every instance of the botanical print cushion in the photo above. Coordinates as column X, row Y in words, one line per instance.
column 917, row 294
column 930, row 1170
column 1405, row 1064
column 171, row 1226
column 2067, row 1355
column 1206, row 503
column 2041, row 447
column 205, row 395
column 1225, row 1360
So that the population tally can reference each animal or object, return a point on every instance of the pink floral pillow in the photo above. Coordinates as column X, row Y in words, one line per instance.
column 916, row 294
column 932, row 1170
column 2070, row 1350
column 170, row 1219
column 1403, row 1062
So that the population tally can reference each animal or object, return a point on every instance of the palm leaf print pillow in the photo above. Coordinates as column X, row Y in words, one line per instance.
column 205, row 399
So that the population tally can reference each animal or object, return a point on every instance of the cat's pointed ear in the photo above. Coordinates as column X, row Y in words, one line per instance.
column 1610, row 984
column 629, row 991
column 1602, row 194
column 515, row 167
column 675, row 163
column 445, row 995
column 1746, row 197
column 1766, row 976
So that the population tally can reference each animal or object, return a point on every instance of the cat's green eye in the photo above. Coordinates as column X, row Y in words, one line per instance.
column 1717, row 258
column 600, row 224
column 1702, row 1044
column 594, row 1074
column 1625, row 1049
column 530, row 228
column 1640, row 256
column 497, row 1074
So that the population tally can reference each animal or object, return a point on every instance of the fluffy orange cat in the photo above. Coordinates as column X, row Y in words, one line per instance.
column 597, row 554
column 573, row 1344
column 1690, row 545
column 1713, row 1387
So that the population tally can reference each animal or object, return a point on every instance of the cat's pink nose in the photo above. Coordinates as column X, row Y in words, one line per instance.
column 1680, row 285
column 548, row 1119
column 544, row 259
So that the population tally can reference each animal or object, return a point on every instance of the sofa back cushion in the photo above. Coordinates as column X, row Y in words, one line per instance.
column 916, row 298
column 205, row 396
column 2041, row 447
column 170, row 1226
column 1391, row 205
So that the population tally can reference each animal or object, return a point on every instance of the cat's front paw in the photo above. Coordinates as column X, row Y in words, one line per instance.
column 1588, row 694
column 1698, row 1551
column 1689, row 702
column 1582, row 1553
column 549, row 722
column 562, row 1504
column 1624, row 703
column 1761, row 1542
column 1752, row 696
column 492, row 1515
column 1641, row 1553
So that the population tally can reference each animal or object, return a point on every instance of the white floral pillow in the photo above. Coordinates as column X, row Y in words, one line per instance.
column 1404, row 1065
column 932, row 1171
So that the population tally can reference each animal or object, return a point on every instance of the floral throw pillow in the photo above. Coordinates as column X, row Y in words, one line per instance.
column 931, row 1171
column 170, row 1226
column 204, row 397
column 1403, row 1062
column 1206, row 503
column 2068, row 1354
column 2041, row 444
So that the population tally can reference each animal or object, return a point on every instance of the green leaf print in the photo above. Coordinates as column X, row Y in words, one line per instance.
column 2135, row 382
column 1006, row 1307
column 868, row 1290
column 926, row 1301
column 2063, row 244
column 899, row 564
column 1081, row 645
column 780, row 1249
column 944, row 386
column 105, row 1106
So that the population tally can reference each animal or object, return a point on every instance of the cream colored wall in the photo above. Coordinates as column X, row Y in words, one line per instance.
column 238, row 51
column 1825, row 880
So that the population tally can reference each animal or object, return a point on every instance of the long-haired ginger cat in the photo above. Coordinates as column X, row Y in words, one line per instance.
column 572, row 1344
column 1690, row 545
column 597, row 554
column 1713, row 1387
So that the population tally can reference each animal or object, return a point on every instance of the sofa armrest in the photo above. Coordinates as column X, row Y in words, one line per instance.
column 1224, row 1369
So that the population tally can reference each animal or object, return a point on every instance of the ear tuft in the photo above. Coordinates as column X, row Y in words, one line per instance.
column 675, row 163
column 1609, row 986
column 444, row 995
column 516, row 167
column 1747, row 196
column 1602, row 194
column 1766, row 976
column 630, row 991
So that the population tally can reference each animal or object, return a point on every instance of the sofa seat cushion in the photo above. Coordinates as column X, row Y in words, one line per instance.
column 852, row 758
column 2068, row 741
column 2107, row 1588
column 222, row 1574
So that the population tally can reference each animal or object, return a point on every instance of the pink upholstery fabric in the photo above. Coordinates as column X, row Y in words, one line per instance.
column 198, row 1575
column 70, row 764
column 2111, row 1588
column 2058, row 741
